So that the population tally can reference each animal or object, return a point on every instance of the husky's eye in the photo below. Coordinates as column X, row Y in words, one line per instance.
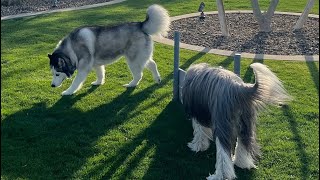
column 57, row 74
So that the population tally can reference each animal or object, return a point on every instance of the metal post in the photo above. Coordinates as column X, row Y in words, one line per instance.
column 237, row 58
column 176, row 66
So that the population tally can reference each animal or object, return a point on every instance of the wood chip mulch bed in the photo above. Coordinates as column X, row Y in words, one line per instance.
column 245, row 35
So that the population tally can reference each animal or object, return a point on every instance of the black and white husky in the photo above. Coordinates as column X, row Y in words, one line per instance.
column 223, row 108
column 95, row 46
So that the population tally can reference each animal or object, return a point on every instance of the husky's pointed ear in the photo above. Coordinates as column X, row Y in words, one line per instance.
column 49, row 56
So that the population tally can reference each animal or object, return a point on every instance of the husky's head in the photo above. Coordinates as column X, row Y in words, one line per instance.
column 61, row 68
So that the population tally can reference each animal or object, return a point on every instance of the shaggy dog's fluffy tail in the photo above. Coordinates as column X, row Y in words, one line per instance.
column 157, row 21
column 268, row 89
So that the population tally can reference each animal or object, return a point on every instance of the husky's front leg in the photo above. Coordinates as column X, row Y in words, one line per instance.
column 76, row 83
column 100, row 71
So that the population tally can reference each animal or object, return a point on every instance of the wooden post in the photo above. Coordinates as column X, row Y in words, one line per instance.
column 176, row 66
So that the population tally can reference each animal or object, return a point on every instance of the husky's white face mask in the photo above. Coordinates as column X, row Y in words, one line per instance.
column 61, row 68
column 58, row 77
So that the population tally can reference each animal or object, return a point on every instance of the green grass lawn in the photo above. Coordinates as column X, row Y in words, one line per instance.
column 110, row 132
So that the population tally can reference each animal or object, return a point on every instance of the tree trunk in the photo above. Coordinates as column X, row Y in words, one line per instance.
column 304, row 16
column 264, row 20
column 222, row 18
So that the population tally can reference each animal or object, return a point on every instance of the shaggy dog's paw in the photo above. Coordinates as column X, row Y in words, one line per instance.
column 244, row 163
column 199, row 145
column 214, row 177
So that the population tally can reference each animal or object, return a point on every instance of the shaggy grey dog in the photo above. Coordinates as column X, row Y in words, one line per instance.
column 225, row 109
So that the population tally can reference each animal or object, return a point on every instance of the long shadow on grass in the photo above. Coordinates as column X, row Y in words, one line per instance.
column 185, row 164
column 225, row 63
column 42, row 136
column 55, row 142
column 165, row 141
column 303, row 46
column 258, row 41
column 304, row 160
column 194, row 58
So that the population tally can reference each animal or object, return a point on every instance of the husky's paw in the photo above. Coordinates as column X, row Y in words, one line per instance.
column 158, row 80
column 197, row 146
column 219, row 177
column 129, row 85
column 97, row 83
column 66, row 93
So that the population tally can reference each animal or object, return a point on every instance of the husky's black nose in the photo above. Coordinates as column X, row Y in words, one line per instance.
column 52, row 85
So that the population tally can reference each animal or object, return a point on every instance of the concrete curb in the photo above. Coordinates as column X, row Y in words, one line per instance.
column 61, row 10
column 232, row 53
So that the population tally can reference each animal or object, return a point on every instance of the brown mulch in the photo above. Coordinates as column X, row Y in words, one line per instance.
column 245, row 35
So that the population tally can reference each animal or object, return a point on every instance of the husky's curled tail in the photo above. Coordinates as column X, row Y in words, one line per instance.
column 218, row 99
column 157, row 21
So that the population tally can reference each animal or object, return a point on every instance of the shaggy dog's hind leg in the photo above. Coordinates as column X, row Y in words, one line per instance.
column 201, row 137
column 224, row 166
column 247, row 149
column 243, row 158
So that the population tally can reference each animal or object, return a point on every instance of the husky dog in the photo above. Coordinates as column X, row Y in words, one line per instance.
column 223, row 108
column 95, row 46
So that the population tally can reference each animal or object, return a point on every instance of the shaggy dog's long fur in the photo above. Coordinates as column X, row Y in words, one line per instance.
column 224, row 108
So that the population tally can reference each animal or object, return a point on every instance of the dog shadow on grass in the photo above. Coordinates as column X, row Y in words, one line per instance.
column 59, row 142
column 56, row 142
column 300, row 147
column 302, row 46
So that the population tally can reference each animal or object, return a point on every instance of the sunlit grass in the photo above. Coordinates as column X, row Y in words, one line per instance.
column 109, row 132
